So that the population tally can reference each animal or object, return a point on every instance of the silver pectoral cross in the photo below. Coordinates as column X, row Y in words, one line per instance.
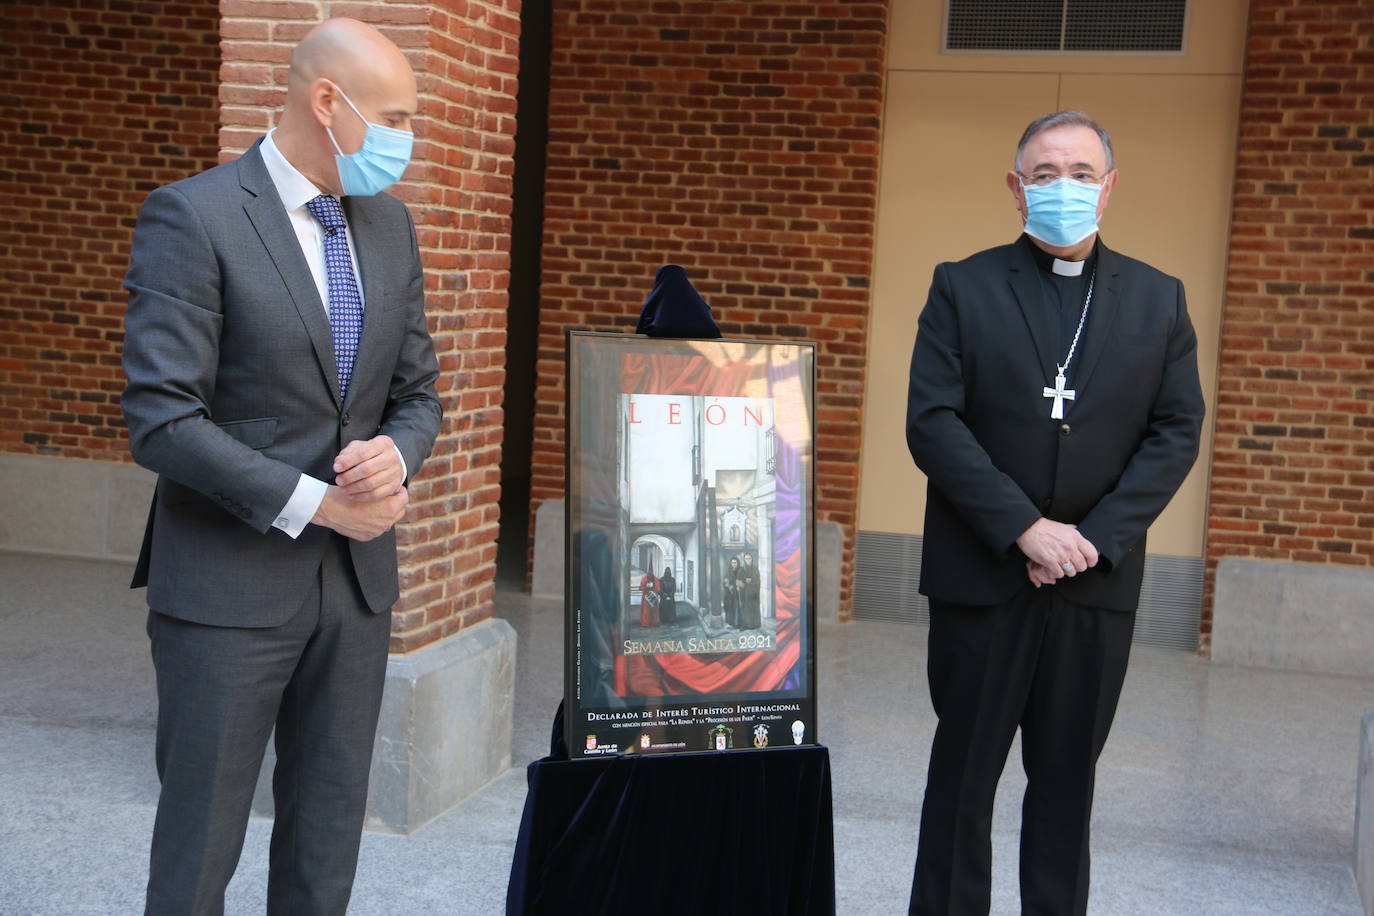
column 1060, row 395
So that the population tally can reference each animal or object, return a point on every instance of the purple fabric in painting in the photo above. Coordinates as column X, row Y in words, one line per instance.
column 785, row 388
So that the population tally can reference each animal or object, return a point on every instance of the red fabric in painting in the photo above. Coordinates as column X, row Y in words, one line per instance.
column 732, row 672
column 687, row 373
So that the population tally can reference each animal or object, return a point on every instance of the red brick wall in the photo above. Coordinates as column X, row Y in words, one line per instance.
column 741, row 141
column 103, row 101
column 458, row 188
column 100, row 102
column 1293, row 467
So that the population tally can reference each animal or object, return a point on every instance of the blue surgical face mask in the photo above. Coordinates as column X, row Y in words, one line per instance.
column 379, row 163
column 1063, row 212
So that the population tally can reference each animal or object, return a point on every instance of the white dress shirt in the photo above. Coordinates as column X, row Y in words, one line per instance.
column 295, row 191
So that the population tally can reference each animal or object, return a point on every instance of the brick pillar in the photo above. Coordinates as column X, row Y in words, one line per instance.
column 458, row 190
column 102, row 103
column 742, row 143
column 446, row 722
column 1293, row 465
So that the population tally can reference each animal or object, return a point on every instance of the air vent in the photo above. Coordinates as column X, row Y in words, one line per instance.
column 1066, row 26
column 887, row 570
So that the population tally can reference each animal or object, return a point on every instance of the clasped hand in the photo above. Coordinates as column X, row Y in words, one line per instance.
column 1054, row 550
column 368, row 496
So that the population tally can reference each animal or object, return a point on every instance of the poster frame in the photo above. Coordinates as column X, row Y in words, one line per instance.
column 628, row 691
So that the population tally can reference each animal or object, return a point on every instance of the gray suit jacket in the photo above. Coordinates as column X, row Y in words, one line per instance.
column 233, row 392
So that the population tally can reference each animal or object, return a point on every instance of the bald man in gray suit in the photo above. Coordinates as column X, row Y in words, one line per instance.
column 281, row 382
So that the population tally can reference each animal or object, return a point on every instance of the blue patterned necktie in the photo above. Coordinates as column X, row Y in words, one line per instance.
column 345, row 304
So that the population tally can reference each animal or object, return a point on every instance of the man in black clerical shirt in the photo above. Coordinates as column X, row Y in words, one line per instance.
column 1055, row 408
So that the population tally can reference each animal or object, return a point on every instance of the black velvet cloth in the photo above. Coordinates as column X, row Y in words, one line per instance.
column 674, row 308
column 733, row 832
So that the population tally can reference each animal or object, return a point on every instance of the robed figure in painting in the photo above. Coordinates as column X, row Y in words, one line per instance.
column 748, row 579
column 667, row 601
column 648, row 600
column 730, row 584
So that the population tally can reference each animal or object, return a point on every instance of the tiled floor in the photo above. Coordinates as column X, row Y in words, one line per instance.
column 1222, row 790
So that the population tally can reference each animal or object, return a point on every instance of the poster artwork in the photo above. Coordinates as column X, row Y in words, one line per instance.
column 722, row 444
column 689, row 573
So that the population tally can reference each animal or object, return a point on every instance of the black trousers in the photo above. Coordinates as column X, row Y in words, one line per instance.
column 221, row 690
column 1054, row 669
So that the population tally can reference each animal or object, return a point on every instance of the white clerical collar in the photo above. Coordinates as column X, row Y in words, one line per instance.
column 1068, row 268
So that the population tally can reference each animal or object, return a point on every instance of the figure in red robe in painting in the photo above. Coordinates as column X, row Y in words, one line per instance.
column 648, row 600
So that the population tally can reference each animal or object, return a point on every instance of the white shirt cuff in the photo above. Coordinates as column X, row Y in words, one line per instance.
column 301, row 507
column 405, row 471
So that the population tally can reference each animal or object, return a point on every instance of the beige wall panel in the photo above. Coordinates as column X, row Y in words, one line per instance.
column 1214, row 43
column 949, row 138
column 1175, row 142
column 948, row 141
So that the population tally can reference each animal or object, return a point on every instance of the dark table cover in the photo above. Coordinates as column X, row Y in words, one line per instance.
column 705, row 834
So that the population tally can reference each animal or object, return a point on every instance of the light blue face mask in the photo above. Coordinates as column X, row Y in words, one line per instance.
column 379, row 163
column 1063, row 212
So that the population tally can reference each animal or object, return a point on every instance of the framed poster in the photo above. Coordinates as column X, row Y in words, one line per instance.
column 691, row 500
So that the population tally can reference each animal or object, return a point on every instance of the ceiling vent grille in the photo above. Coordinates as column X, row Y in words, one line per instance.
column 1066, row 26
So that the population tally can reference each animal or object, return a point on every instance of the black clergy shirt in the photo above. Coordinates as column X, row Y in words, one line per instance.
column 1064, row 296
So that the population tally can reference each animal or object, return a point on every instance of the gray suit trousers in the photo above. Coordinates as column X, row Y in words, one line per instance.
column 318, row 679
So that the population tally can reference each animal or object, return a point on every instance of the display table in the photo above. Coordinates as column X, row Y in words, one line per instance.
column 701, row 834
